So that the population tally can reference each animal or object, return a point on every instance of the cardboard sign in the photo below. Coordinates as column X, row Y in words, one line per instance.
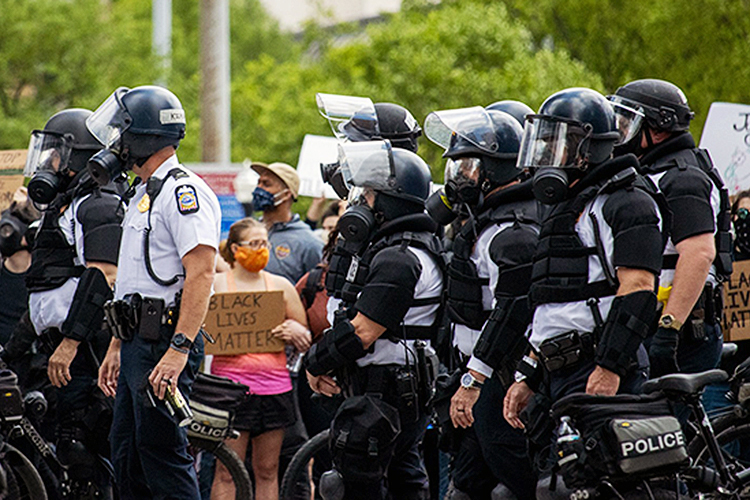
column 736, row 322
column 8, row 186
column 726, row 136
column 241, row 322
column 13, row 159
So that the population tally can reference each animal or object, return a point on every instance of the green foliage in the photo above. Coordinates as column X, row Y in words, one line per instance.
column 455, row 55
column 701, row 46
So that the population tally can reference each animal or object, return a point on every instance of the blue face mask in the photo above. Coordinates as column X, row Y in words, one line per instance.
column 263, row 200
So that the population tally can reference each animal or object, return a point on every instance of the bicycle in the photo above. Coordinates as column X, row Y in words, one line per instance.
column 301, row 461
column 715, row 475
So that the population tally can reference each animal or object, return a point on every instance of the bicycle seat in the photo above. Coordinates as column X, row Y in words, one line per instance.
column 685, row 383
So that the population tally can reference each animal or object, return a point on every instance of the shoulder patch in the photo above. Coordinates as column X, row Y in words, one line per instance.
column 187, row 199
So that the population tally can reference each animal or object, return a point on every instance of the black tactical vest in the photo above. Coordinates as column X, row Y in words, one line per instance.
column 561, row 264
column 691, row 157
column 52, row 257
column 464, row 286
column 351, row 278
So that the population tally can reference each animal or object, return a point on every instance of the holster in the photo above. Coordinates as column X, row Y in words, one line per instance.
column 708, row 307
column 136, row 315
column 566, row 350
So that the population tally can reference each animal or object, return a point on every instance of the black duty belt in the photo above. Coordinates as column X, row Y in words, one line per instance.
column 137, row 315
column 566, row 350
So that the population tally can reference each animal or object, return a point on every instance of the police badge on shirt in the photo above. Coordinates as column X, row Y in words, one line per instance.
column 187, row 199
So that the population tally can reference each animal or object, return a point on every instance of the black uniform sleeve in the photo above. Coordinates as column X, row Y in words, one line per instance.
column 101, row 216
column 633, row 217
column 688, row 194
column 512, row 250
column 389, row 290
column 502, row 342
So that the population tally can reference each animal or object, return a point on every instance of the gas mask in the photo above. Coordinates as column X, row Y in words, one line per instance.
column 108, row 164
column 359, row 222
column 333, row 176
column 742, row 230
column 47, row 165
column 440, row 208
column 550, row 185
column 263, row 200
column 12, row 231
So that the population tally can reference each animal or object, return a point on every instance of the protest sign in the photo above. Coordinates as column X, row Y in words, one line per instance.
column 726, row 136
column 12, row 162
column 316, row 149
column 736, row 322
column 241, row 322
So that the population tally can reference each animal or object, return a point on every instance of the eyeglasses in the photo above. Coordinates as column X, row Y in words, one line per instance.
column 254, row 244
column 742, row 213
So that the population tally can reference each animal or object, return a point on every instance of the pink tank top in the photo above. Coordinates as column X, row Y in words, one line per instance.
column 264, row 373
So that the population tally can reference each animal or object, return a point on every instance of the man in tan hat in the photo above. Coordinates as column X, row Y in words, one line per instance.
column 294, row 247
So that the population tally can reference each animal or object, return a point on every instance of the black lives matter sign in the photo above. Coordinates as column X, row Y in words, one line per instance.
column 242, row 322
column 737, row 303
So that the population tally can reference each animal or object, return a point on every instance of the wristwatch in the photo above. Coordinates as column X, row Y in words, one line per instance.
column 181, row 343
column 469, row 382
column 668, row 321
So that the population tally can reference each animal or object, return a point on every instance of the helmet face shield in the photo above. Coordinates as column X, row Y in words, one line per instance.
column 549, row 141
column 110, row 119
column 471, row 124
column 367, row 164
column 629, row 119
column 350, row 117
column 464, row 170
column 48, row 152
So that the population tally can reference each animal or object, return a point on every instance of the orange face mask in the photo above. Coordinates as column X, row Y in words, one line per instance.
column 251, row 259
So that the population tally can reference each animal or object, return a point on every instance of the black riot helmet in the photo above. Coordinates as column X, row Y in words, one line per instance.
column 573, row 130
column 481, row 147
column 648, row 104
column 516, row 109
column 357, row 119
column 133, row 124
column 58, row 152
column 385, row 183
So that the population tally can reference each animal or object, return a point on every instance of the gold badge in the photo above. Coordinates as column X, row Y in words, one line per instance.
column 144, row 204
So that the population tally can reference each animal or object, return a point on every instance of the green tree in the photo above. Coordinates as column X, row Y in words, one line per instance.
column 701, row 46
column 454, row 55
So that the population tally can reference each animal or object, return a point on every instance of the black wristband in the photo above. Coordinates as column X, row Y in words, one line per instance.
column 529, row 370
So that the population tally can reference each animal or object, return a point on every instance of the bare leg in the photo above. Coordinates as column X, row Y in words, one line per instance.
column 266, row 451
column 223, row 486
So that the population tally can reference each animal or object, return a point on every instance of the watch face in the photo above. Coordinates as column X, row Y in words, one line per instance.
column 519, row 377
column 467, row 380
column 179, row 339
column 667, row 320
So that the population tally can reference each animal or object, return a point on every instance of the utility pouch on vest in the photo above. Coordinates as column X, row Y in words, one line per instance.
column 566, row 350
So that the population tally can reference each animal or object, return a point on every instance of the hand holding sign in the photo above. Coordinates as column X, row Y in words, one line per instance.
column 243, row 322
column 292, row 332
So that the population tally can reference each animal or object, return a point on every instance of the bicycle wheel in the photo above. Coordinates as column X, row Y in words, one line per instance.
column 300, row 462
column 732, row 432
column 242, row 483
column 24, row 480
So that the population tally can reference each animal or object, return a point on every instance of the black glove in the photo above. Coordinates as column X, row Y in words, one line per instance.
column 662, row 353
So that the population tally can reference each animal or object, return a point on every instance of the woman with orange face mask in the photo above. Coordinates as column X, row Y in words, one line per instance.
column 269, row 406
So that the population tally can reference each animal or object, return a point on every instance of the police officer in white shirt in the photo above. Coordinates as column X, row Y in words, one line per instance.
column 74, row 259
column 390, row 288
column 491, row 261
column 166, row 267
column 654, row 117
column 599, row 253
